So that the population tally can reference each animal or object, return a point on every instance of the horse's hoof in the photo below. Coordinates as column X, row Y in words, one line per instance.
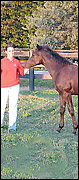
column 57, row 131
column 74, row 133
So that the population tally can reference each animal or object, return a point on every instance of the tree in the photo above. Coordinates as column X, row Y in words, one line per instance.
column 12, row 20
column 55, row 24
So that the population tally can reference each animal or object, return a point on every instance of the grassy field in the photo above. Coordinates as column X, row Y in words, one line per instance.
column 35, row 151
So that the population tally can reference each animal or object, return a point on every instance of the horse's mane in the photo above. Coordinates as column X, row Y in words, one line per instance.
column 57, row 57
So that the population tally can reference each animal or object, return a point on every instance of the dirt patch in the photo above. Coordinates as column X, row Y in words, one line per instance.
column 27, row 88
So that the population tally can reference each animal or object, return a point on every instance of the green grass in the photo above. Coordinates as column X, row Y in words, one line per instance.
column 46, row 83
column 35, row 151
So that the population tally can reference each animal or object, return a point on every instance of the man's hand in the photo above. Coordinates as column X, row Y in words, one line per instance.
column 25, row 71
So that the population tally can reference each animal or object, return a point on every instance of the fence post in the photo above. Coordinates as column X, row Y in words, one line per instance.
column 31, row 75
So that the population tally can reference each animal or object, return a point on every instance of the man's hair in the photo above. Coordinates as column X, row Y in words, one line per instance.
column 9, row 45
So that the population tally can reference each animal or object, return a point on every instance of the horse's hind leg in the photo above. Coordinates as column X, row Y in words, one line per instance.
column 71, row 111
column 62, row 110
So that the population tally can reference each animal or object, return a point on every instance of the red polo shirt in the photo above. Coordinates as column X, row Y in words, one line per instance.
column 10, row 71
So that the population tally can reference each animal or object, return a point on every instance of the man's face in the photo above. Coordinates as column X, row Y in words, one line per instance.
column 10, row 51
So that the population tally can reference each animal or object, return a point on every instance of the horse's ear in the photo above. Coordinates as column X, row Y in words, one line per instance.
column 38, row 47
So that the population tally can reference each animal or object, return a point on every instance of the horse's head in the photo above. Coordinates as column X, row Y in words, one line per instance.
column 36, row 58
column 36, row 55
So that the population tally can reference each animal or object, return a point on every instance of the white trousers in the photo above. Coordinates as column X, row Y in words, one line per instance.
column 13, row 94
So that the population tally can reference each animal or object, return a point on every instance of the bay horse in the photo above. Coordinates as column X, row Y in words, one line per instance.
column 65, row 78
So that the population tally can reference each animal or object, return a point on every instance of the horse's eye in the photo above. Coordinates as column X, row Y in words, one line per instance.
column 37, row 54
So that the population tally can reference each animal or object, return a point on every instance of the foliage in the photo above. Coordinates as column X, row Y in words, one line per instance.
column 35, row 151
column 12, row 20
column 55, row 24
column 26, row 23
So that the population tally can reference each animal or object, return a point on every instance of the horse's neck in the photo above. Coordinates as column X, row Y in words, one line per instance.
column 53, row 67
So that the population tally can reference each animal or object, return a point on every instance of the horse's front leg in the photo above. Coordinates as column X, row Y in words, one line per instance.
column 62, row 110
column 71, row 111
